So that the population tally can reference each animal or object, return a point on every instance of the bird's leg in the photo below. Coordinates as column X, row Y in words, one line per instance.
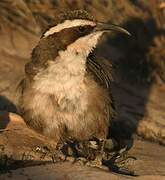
column 93, row 151
column 81, row 151
column 122, row 156
column 96, row 153
column 122, row 163
column 68, row 148
column 72, row 151
column 88, row 152
column 115, row 156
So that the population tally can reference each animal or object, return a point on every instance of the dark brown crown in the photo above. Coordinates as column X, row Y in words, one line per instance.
column 70, row 15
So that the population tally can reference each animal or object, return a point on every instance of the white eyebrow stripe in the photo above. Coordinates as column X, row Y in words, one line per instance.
column 68, row 24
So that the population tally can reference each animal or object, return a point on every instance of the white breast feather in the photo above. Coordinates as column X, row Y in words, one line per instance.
column 64, row 76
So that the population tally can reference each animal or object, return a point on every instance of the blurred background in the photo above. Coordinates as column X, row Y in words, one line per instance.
column 138, row 61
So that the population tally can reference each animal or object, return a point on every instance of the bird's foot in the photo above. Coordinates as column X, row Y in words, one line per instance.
column 89, row 152
column 95, row 153
column 97, row 162
column 122, row 163
column 82, row 151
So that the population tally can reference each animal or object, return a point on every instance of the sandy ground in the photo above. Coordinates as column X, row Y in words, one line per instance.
column 150, row 164
column 18, row 141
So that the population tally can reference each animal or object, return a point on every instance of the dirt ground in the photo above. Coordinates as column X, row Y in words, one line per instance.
column 21, row 162
column 150, row 165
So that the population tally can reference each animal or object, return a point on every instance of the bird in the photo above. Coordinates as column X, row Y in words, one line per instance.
column 66, row 89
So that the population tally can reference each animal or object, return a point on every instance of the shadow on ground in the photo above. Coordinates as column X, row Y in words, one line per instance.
column 133, row 75
column 6, row 106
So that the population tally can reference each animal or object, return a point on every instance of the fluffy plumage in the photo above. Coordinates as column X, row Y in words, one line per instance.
column 66, row 91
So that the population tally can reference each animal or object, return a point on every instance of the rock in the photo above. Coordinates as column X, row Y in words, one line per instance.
column 17, row 142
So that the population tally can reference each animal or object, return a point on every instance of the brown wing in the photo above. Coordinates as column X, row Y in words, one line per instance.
column 101, row 69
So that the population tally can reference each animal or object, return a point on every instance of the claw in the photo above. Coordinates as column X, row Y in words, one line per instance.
column 97, row 153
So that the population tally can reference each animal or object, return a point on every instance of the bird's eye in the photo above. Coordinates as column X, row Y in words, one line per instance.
column 82, row 29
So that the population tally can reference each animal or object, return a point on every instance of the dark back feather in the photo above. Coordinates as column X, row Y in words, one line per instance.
column 101, row 71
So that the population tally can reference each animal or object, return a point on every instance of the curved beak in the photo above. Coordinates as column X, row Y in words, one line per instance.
column 110, row 27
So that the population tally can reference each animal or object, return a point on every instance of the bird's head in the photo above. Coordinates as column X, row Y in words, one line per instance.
column 75, row 31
